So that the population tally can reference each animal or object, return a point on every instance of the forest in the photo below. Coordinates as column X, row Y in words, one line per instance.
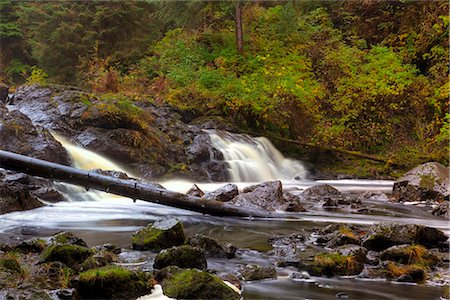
column 368, row 76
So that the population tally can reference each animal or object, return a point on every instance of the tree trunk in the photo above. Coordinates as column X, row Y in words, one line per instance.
column 128, row 188
column 239, row 34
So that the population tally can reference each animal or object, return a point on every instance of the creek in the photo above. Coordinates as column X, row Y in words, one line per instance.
column 98, row 218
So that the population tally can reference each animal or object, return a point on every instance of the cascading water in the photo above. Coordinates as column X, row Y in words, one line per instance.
column 254, row 159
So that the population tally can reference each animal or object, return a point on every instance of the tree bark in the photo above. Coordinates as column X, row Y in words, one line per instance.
column 239, row 33
column 128, row 188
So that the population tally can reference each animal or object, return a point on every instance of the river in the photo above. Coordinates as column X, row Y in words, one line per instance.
column 98, row 218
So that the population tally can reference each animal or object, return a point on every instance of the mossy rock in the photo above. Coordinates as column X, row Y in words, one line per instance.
column 113, row 282
column 332, row 264
column 70, row 255
column 98, row 260
column 31, row 246
column 160, row 235
column 195, row 284
column 67, row 238
column 183, row 256
column 407, row 273
column 410, row 254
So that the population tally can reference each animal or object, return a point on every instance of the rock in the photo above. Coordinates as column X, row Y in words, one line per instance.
column 183, row 256
column 358, row 252
column 159, row 235
column 324, row 195
column 4, row 91
column 441, row 210
column 332, row 264
column 373, row 196
column 194, row 284
column 113, row 282
column 429, row 181
column 195, row 191
column 65, row 237
column 98, row 260
column 382, row 236
column 223, row 194
column 19, row 135
column 287, row 247
column 34, row 245
column 109, row 247
column 211, row 247
column 410, row 254
column 70, row 255
column 337, row 235
column 66, row 294
column 300, row 275
column 268, row 196
column 256, row 272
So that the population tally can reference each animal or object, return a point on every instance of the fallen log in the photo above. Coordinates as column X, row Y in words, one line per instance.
column 123, row 187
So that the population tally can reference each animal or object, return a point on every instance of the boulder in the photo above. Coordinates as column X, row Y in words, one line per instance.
column 324, row 195
column 195, row 191
column 398, row 272
column 410, row 254
column 382, row 236
column 211, row 247
column 194, row 284
column 332, row 264
column 441, row 210
column 113, row 282
column 256, row 272
column 358, row 252
column 65, row 237
column 70, row 255
column 223, row 194
column 426, row 182
column 98, row 260
column 19, row 135
column 184, row 256
column 268, row 196
column 159, row 235
column 337, row 235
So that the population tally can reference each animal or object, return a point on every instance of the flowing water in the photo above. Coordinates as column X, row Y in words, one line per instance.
column 98, row 218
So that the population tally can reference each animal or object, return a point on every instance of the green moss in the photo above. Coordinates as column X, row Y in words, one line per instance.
column 184, row 256
column 194, row 284
column 427, row 181
column 154, row 238
column 71, row 255
column 330, row 264
column 10, row 261
column 113, row 282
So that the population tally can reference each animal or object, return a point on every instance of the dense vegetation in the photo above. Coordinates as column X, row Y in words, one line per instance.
column 369, row 76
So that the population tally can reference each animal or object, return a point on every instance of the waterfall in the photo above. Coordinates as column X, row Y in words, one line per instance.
column 254, row 159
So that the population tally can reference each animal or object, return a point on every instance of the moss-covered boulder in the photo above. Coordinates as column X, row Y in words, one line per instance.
column 113, row 282
column 160, row 235
column 332, row 264
column 70, row 255
column 194, row 284
column 256, row 272
column 98, row 260
column 382, row 236
column 67, row 238
column 211, row 247
column 410, row 254
column 398, row 272
column 184, row 256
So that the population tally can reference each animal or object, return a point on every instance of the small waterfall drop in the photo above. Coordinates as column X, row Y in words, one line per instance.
column 254, row 159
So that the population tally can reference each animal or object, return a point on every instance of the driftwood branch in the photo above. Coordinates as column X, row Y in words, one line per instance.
column 128, row 188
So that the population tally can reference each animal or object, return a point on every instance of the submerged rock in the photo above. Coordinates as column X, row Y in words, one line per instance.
column 211, row 247
column 113, row 282
column 194, row 284
column 184, row 256
column 159, row 235
column 429, row 181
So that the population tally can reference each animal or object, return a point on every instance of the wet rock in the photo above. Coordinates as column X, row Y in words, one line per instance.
column 19, row 135
column 70, row 255
column 159, row 235
column 25, row 293
column 183, row 256
column 268, row 196
column 223, row 194
column 441, row 210
column 195, row 191
column 373, row 196
column 214, row 122
column 337, row 235
column 98, row 260
column 113, row 282
column 428, row 181
column 300, row 275
column 410, row 254
column 66, row 294
column 398, row 272
column 358, row 252
column 109, row 247
column 383, row 236
column 287, row 247
column 325, row 195
column 211, row 247
column 256, row 272
column 194, row 284
column 35, row 245
column 66, row 237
